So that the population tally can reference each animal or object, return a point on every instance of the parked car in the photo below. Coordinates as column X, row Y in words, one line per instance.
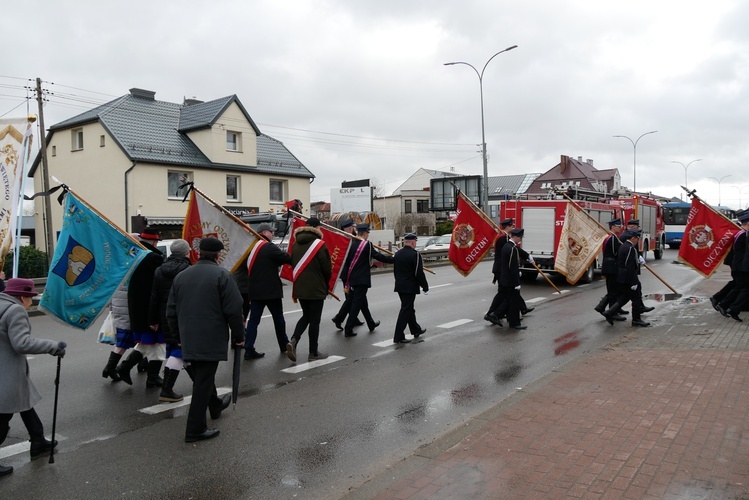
column 442, row 243
column 425, row 241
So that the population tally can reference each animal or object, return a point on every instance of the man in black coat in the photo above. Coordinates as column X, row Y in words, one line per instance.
column 498, row 305
column 509, row 279
column 629, row 280
column 610, row 267
column 348, row 226
column 265, row 290
column 408, row 270
column 359, row 278
column 738, row 299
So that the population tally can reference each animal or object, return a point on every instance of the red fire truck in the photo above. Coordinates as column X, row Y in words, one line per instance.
column 543, row 221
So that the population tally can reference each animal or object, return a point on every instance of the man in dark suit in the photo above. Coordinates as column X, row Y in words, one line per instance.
column 738, row 299
column 509, row 279
column 359, row 278
column 495, row 313
column 410, row 279
column 348, row 226
column 265, row 290
column 629, row 280
column 610, row 267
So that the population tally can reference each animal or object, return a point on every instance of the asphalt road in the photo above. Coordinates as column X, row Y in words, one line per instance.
column 308, row 430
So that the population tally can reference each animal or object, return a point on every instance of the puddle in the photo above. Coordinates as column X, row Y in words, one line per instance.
column 665, row 297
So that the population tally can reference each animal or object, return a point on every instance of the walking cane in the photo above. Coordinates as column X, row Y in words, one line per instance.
column 54, row 414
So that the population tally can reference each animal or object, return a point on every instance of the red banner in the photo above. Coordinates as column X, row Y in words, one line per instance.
column 338, row 247
column 473, row 236
column 707, row 238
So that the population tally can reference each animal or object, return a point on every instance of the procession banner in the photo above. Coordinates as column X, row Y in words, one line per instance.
column 579, row 244
column 707, row 240
column 472, row 236
column 93, row 257
column 15, row 140
column 205, row 218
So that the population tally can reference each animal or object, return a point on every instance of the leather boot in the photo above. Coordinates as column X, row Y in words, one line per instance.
column 143, row 365
column 610, row 313
column 111, row 369
column 601, row 307
column 167, row 390
column 153, row 379
column 124, row 369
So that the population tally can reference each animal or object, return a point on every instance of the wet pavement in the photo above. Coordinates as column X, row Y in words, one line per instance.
column 659, row 412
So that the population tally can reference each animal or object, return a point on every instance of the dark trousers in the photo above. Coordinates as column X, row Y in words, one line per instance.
column 511, row 306
column 740, row 293
column 30, row 420
column 721, row 294
column 497, row 301
column 203, row 395
column 311, row 314
column 612, row 291
column 626, row 294
column 406, row 316
column 275, row 307
column 358, row 303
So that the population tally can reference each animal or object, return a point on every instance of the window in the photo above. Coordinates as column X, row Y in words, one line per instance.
column 277, row 191
column 76, row 139
column 174, row 180
column 422, row 206
column 54, row 150
column 233, row 141
column 101, row 141
column 406, row 206
column 232, row 188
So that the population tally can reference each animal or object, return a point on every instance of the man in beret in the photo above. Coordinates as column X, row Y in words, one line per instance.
column 629, row 281
column 610, row 268
column 348, row 226
column 408, row 270
column 204, row 306
column 359, row 278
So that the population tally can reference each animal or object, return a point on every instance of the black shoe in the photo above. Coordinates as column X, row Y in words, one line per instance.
column 619, row 318
column 518, row 327
column 734, row 315
column 402, row 341
column 338, row 324
column 206, row 434
column 253, row 355
column 622, row 311
column 111, row 369
column 714, row 302
column 646, row 310
column 420, row 333
column 529, row 310
column 216, row 412
column 39, row 448
column 491, row 318
column 350, row 334
column 600, row 308
column 169, row 396
column 358, row 323
column 639, row 322
column 4, row 471
column 723, row 311
column 374, row 325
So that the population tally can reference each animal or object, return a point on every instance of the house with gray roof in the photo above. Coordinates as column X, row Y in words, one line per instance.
column 129, row 157
column 570, row 173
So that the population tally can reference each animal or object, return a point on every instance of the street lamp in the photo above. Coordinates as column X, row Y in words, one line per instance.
column 485, row 204
column 719, row 181
column 686, row 167
column 634, row 164
column 741, row 192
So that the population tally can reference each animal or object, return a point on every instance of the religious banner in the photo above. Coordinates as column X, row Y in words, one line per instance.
column 707, row 240
column 15, row 144
column 579, row 244
column 473, row 235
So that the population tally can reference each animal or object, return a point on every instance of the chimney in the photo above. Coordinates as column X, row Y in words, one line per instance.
column 589, row 161
column 142, row 94
column 580, row 159
column 565, row 163
column 190, row 102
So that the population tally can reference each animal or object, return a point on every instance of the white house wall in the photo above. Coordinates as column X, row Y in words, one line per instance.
column 212, row 142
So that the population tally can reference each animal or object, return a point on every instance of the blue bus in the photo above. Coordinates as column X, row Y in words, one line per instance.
column 675, row 220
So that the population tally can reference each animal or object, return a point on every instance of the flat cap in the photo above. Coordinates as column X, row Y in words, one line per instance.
column 264, row 227
column 211, row 244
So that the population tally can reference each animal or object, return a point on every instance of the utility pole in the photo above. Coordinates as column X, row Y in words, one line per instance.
column 47, row 214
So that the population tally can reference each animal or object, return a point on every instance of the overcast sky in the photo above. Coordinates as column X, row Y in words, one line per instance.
column 358, row 89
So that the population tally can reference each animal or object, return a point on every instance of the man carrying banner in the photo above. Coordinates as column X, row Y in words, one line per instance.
column 738, row 299
column 509, row 279
column 265, row 290
column 348, row 226
column 610, row 268
column 359, row 278
column 408, row 270
column 628, row 279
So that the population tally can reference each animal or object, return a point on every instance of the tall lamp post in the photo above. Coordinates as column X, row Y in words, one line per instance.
column 719, row 181
column 485, row 201
column 686, row 167
column 741, row 192
column 634, row 164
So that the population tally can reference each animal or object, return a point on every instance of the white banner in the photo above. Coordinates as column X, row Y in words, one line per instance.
column 579, row 244
column 15, row 144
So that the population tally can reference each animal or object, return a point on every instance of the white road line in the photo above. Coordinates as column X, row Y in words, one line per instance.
column 537, row 299
column 439, row 286
column 312, row 364
column 18, row 448
column 162, row 407
column 455, row 323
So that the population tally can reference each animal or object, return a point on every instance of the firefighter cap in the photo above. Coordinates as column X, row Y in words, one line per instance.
column 506, row 222
column 518, row 231
column 633, row 222
column 743, row 216
column 615, row 222
column 633, row 233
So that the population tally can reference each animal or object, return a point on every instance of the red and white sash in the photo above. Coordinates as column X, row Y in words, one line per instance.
column 307, row 258
column 357, row 255
column 253, row 254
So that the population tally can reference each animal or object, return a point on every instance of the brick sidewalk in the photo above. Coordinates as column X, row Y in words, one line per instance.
column 661, row 412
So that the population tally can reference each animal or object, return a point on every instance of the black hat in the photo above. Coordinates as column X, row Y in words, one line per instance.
column 211, row 244
column 506, row 222
column 633, row 233
column 410, row 237
column 615, row 222
column 633, row 222
column 743, row 216
column 362, row 228
column 149, row 234
column 518, row 231
column 347, row 223
column 313, row 222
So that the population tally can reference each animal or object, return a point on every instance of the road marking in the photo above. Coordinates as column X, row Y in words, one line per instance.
column 537, row 299
column 455, row 323
column 162, row 407
column 439, row 286
column 388, row 343
column 312, row 364
column 18, row 448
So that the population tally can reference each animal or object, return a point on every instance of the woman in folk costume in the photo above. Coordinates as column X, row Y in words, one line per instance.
column 312, row 269
column 17, row 392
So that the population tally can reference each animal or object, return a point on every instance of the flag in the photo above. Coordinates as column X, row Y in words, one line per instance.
column 14, row 144
column 92, row 259
column 707, row 240
column 473, row 236
column 204, row 218
column 579, row 244
column 338, row 246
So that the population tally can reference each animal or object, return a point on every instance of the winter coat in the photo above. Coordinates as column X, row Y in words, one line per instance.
column 358, row 272
column 312, row 283
column 139, row 289
column 17, row 392
column 204, row 306
column 162, row 284
column 264, row 282
column 118, row 308
column 408, row 270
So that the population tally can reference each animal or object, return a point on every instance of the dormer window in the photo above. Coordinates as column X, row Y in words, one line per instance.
column 233, row 141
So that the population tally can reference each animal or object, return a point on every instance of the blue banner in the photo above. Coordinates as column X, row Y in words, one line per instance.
column 91, row 260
